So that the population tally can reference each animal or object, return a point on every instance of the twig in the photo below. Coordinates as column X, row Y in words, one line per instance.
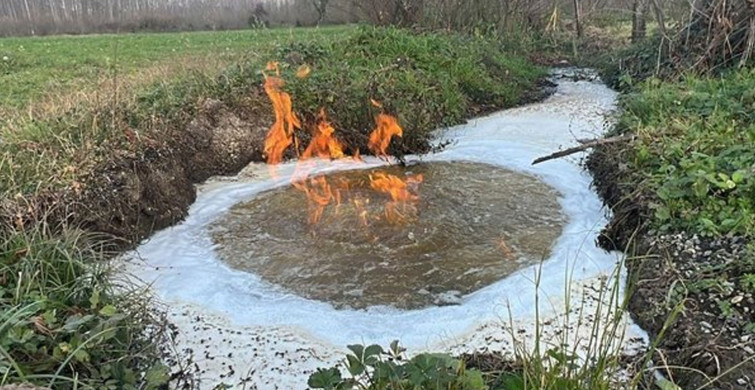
column 585, row 144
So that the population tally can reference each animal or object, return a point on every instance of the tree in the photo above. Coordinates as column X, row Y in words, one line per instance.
column 321, row 6
column 578, row 18
column 639, row 29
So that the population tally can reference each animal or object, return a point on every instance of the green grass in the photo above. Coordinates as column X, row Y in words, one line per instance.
column 36, row 67
column 62, row 324
column 694, row 152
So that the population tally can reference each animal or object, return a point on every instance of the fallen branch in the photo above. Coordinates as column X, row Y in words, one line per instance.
column 584, row 145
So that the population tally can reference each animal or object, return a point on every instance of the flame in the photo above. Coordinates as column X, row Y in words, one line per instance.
column 320, row 191
column 400, row 192
column 319, row 195
column 386, row 127
column 281, row 134
column 324, row 144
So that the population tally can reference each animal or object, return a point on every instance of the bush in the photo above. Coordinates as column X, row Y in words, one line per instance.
column 428, row 80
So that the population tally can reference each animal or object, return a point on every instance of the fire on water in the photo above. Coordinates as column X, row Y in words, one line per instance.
column 401, row 194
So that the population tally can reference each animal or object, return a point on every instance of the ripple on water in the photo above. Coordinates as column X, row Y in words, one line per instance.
column 474, row 225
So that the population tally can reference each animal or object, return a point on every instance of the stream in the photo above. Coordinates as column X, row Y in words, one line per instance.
column 259, row 297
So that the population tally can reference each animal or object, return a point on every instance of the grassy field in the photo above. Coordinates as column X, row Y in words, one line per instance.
column 50, row 73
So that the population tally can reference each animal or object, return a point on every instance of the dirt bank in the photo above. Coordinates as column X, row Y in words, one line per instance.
column 151, row 186
column 665, row 272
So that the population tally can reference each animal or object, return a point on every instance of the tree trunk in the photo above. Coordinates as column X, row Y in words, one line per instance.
column 28, row 15
column 578, row 19
column 639, row 28
column 659, row 17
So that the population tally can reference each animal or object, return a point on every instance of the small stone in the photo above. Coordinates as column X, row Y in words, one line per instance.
column 737, row 299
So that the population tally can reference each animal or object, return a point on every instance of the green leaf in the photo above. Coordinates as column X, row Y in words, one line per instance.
column 373, row 350
column 510, row 382
column 665, row 384
column 108, row 311
column 325, row 379
column 357, row 349
column 156, row 377
column 472, row 380
column 738, row 176
column 74, row 322
column 354, row 366
column 94, row 300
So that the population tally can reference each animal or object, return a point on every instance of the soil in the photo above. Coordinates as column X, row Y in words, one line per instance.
column 151, row 186
column 663, row 274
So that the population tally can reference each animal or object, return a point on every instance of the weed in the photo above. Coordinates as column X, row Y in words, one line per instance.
column 373, row 368
column 693, row 152
column 62, row 324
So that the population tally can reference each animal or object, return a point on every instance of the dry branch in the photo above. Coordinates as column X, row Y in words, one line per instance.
column 584, row 145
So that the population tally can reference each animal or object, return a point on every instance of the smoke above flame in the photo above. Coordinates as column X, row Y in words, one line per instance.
column 321, row 193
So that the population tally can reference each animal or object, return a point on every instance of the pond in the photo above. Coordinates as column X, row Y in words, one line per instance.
column 470, row 225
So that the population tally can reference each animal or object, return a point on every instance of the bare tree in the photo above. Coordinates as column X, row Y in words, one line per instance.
column 578, row 18
column 639, row 28
column 321, row 6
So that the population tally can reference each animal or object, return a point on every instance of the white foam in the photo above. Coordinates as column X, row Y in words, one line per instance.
column 185, row 272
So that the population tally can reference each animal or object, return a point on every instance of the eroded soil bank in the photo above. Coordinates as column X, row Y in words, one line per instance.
column 668, row 299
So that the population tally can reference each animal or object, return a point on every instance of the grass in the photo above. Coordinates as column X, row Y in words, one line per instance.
column 62, row 323
column 33, row 71
column 687, row 180
column 586, row 353
column 428, row 80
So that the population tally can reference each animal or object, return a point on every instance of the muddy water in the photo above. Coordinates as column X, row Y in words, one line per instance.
column 473, row 225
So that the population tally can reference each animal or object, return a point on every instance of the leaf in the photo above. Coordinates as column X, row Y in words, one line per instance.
column 738, row 176
column 157, row 376
column 510, row 382
column 665, row 384
column 357, row 349
column 74, row 322
column 108, row 311
column 325, row 379
column 472, row 380
column 95, row 299
column 373, row 350
column 355, row 365
column 81, row 355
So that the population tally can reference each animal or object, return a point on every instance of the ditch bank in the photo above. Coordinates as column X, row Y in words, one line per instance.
column 681, row 284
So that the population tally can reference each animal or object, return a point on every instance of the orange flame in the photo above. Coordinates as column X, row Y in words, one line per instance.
column 400, row 192
column 281, row 134
column 321, row 192
column 319, row 195
column 324, row 144
column 386, row 127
